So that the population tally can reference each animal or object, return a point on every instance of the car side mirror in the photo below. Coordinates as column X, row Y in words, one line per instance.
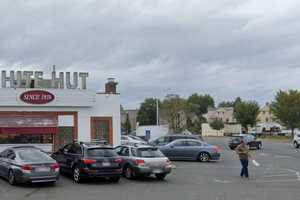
column 171, row 146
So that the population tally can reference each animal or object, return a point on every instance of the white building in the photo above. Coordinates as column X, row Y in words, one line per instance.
column 226, row 114
column 56, row 114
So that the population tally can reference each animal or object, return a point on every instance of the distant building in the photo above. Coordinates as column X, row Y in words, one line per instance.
column 265, row 115
column 223, row 113
column 132, row 114
column 266, row 120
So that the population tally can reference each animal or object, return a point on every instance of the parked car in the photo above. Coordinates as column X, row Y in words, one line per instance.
column 190, row 149
column 24, row 164
column 128, row 139
column 163, row 140
column 296, row 140
column 89, row 160
column 143, row 160
column 250, row 140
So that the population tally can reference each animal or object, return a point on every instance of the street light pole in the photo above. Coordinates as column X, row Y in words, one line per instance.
column 157, row 114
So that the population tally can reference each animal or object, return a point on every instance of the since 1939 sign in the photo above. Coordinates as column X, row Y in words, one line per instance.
column 37, row 97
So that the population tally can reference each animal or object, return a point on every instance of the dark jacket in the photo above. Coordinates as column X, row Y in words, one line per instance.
column 243, row 151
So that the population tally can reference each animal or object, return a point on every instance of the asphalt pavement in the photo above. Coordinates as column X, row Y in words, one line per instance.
column 276, row 179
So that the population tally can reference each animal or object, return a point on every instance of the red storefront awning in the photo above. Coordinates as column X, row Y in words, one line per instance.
column 28, row 130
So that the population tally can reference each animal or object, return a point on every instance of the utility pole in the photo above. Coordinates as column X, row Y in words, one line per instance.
column 157, row 114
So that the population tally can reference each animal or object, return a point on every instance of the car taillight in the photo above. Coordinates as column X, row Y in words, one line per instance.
column 55, row 167
column 139, row 162
column 168, row 163
column 88, row 161
column 118, row 160
column 216, row 149
column 26, row 168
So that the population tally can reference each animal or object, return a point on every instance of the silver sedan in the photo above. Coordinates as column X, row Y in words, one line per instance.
column 27, row 164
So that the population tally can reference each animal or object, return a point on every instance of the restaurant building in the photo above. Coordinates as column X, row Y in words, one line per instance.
column 52, row 112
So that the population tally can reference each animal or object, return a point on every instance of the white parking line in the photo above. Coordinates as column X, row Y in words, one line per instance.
column 282, row 156
column 276, row 181
column 263, row 154
column 222, row 181
column 278, row 175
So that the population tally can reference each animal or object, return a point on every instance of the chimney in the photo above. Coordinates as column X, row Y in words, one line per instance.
column 111, row 86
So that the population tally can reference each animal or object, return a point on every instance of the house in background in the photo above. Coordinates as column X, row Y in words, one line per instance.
column 226, row 114
column 223, row 113
column 132, row 115
column 266, row 122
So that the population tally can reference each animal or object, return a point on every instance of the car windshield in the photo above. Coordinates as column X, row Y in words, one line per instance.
column 33, row 155
column 149, row 153
column 101, row 152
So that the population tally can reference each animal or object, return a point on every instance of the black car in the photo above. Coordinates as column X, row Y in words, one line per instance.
column 163, row 140
column 250, row 140
column 88, row 160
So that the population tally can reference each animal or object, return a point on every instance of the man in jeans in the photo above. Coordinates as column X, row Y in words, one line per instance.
column 243, row 151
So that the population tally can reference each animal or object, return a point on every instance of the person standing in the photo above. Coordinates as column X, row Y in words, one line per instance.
column 243, row 151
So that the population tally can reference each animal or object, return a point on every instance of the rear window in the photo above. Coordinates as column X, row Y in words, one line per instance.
column 149, row 153
column 33, row 155
column 101, row 152
column 236, row 139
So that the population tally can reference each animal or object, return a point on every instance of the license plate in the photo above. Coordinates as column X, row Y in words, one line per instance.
column 105, row 164
column 157, row 171
column 42, row 169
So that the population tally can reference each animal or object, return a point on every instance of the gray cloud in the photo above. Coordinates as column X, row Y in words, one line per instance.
column 226, row 48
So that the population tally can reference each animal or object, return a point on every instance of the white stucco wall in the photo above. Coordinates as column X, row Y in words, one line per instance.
column 93, row 105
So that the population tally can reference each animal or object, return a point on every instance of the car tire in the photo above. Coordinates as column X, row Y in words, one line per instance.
column 11, row 178
column 52, row 183
column 259, row 146
column 114, row 179
column 296, row 145
column 160, row 176
column 128, row 172
column 203, row 157
column 77, row 175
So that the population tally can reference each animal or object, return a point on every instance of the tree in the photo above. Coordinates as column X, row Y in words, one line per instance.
column 230, row 103
column 199, row 104
column 286, row 108
column 217, row 124
column 172, row 110
column 226, row 104
column 127, row 125
column 147, row 112
column 195, row 126
column 246, row 113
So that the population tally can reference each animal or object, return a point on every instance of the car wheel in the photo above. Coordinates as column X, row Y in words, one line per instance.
column 76, row 175
column 11, row 177
column 160, row 176
column 259, row 146
column 114, row 179
column 204, row 157
column 129, row 174
column 296, row 145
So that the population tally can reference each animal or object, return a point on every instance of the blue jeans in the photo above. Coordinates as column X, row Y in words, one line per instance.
column 244, row 171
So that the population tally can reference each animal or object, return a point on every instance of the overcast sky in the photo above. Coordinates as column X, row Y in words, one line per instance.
column 227, row 48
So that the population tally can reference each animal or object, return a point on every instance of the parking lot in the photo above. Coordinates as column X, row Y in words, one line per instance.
column 276, row 178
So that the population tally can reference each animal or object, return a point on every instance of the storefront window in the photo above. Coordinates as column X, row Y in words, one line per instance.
column 65, row 135
column 25, row 139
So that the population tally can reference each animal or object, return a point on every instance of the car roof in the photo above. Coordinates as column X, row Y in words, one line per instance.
column 23, row 147
column 188, row 139
column 138, row 145
column 93, row 146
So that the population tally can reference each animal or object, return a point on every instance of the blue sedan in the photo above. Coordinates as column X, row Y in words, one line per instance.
column 190, row 149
